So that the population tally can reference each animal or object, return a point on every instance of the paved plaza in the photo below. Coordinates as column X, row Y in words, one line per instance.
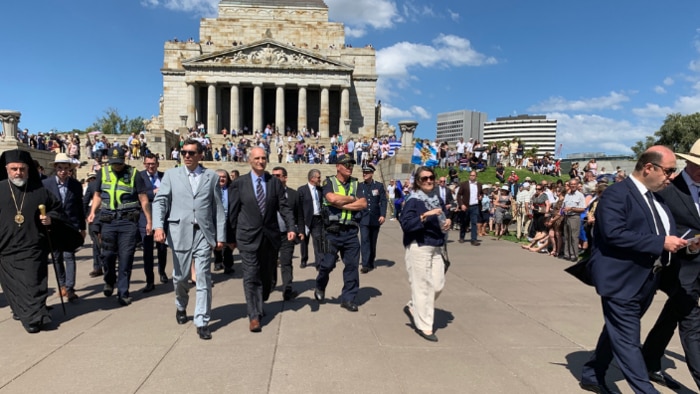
column 508, row 321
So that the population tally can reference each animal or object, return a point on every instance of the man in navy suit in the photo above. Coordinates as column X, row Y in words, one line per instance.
column 681, row 282
column 152, row 178
column 371, row 218
column 634, row 238
column 257, row 197
column 69, row 191
column 311, row 199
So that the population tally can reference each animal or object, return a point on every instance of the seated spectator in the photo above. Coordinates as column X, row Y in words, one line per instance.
column 500, row 172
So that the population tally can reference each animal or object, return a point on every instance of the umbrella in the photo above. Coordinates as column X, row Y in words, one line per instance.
column 96, row 132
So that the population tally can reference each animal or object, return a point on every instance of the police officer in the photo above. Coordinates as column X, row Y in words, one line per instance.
column 371, row 218
column 121, row 195
column 343, row 197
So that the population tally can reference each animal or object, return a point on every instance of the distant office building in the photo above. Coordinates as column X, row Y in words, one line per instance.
column 532, row 130
column 466, row 124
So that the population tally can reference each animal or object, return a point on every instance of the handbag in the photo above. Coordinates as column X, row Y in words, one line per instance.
column 507, row 216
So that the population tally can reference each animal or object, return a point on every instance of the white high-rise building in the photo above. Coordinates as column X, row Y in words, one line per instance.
column 532, row 130
column 465, row 124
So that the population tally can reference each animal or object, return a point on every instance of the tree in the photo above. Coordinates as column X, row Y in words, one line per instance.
column 679, row 132
column 113, row 123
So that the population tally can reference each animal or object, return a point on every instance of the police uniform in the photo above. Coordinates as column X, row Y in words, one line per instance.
column 340, row 231
column 119, row 216
column 375, row 194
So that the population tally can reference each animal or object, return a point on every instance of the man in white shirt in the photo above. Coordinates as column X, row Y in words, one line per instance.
column 460, row 148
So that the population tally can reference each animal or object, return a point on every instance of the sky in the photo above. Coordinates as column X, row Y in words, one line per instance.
column 608, row 71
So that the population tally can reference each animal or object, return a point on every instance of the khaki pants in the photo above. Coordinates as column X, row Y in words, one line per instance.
column 426, row 275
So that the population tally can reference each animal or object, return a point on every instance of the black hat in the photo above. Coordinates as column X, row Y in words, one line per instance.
column 368, row 168
column 20, row 156
column 346, row 159
column 116, row 156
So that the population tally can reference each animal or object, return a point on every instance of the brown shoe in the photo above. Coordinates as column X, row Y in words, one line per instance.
column 64, row 291
column 255, row 325
column 70, row 294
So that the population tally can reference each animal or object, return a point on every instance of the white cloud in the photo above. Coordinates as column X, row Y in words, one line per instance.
column 204, row 7
column 420, row 112
column 358, row 14
column 652, row 111
column 390, row 112
column 354, row 33
column 453, row 15
column 595, row 133
column 659, row 89
column 611, row 101
column 668, row 81
column 445, row 51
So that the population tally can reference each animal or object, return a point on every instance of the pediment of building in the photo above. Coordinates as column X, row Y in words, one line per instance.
column 266, row 54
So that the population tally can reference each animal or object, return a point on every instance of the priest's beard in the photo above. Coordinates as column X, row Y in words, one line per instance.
column 19, row 182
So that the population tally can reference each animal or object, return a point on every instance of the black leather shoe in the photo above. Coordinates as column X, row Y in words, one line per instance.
column 14, row 316
column 408, row 313
column 461, row 241
column 302, row 265
column 218, row 267
column 664, row 380
column 181, row 317
column 163, row 278
column 365, row 270
column 33, row 328
column 429, row 337
column 229, row 271
column 124, row 301
column 204, row 332
column 319, row 295
column 289, row 294
column 597, row 388
column 108, row 290
column 349, row 305
column 149, row 288
column 475, row 243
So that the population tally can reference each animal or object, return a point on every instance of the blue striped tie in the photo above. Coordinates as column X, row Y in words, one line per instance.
column 260, row 196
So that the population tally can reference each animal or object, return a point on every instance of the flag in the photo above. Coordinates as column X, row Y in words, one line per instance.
column 394, row 145
column 424, row 154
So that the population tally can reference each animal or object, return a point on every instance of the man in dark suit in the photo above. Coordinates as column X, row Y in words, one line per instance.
column 681, row 281
column 469, row 202
column 152, row 178
column 287, row 246
column 311, row 197
column 223, row 259
column 371, row 218
column 94, row 227
column 69, row 191
column 253, row 228
column 633, row 232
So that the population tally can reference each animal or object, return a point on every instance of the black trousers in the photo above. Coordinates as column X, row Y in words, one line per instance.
column 315, row 228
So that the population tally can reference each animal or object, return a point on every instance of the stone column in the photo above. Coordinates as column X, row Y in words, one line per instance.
column 407, row 127
column 323, row 121
column 211, row 125
column 191, row 106
column 301, row 120
column 343, row 127
column 257, row 109
column 279, row 108
column 9, row 120
column 235, row 109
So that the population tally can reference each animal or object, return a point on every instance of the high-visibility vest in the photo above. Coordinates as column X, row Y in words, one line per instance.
column 119, row 193
column 346, row 217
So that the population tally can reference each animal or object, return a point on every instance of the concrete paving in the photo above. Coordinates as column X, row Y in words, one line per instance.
column 508, row 321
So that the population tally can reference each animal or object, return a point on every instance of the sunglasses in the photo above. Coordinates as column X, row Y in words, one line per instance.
column 427, row 178
column 278, row 175
column 667, row 171
column 188, row 152
column 348, row 165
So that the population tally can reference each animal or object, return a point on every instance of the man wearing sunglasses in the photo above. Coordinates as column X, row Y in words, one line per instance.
column 342, row 200
column 188, row 211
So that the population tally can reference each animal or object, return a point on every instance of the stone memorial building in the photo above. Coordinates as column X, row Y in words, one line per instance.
column 277, row 62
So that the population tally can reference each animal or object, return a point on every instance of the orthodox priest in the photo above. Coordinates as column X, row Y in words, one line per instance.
column 24, row 244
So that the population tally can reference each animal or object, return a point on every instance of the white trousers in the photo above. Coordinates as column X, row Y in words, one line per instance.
column 426, row 275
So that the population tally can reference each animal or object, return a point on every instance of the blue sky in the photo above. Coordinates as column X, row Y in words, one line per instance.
column 609, row 71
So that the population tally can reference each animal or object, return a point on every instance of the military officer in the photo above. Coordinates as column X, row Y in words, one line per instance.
column 371, row 218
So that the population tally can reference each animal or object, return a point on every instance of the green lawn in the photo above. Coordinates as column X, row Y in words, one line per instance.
column 488, row 176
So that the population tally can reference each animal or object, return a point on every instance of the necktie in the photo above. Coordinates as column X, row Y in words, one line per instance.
column 62, row 191
column 317, row 203
column 260, row 196
column 660, row 229
column 153, row 180
column 193, row 182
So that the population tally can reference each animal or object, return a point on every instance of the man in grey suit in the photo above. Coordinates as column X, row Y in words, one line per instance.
column 253, row 228
column 188, row 201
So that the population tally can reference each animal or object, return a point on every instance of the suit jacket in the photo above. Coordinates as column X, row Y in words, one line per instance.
column 175, row 208
column 448, row 196
column 72, row 205
column 376, row 203
column 307, row 203
column 464, row 194
column 626, row 244
column 297, row 211
column 87, row 199
column 246, row 224
column 151, row 195
column 685, row 268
